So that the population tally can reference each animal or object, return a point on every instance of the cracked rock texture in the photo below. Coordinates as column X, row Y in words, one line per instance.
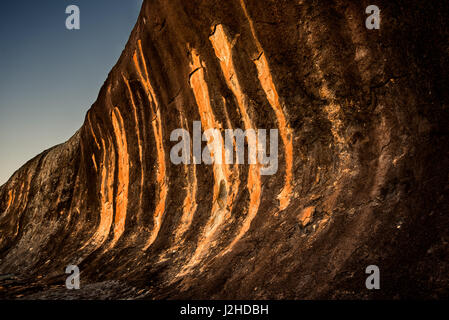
column 363, row 122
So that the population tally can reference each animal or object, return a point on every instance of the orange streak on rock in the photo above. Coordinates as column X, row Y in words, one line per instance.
column 235, row 182
column 333, row 111
column 94, row 162
column 208, row 121
column 10, row 199
column 221, row 171
column 123, row 175
column 223, row 50
column 22, row 198
column 306, row 215
column 160, row 178
column 189, row 205
column 107, row 193
column 266, row 81
column 157, row 131
column 92, row 130
column 139, row 44
column 269, row 87
column 139, row 141
column 106, row 197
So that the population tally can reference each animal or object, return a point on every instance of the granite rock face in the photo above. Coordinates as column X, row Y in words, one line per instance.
column 362, row 118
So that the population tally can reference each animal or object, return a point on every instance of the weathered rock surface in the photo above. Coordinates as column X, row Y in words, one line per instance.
column 363, row 161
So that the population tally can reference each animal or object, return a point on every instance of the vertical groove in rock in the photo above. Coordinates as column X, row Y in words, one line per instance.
column 139, row 140
column 189, row 204
column 219, row 214
column 157, row 131
column 223, row 50
column 123, row 175
column 266, row 80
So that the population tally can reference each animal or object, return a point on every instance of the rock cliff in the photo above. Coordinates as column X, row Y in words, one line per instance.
column 363, row 164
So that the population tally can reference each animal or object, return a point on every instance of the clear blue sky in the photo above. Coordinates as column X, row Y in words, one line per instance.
column 50, row 76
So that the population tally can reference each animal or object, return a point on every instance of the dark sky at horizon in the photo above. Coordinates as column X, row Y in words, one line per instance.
column 50, row 76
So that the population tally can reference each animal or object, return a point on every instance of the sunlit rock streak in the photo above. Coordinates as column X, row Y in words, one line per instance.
column 23, row 201
column 89, row 123
column 123, row 175
column 222, row 174
column 235, row 174
column 11, row 196
column 223, row 50
column 139, row 142
column 266, row 80
column 189, row 205
column 94, row 162
column 157, row 131
column 106, row 196
column 136, row 127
